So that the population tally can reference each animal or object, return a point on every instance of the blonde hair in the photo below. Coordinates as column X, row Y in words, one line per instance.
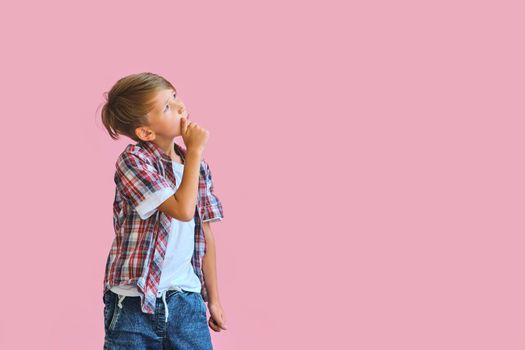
column 129, row 101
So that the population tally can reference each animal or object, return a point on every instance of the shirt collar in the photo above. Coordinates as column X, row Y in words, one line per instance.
column 158, row 152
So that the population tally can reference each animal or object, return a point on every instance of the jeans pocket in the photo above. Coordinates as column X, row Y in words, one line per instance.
column 202, row 304
column 111, row 311
column 108, row 309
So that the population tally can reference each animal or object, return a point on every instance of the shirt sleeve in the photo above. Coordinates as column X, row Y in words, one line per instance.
column 141, row 184
column 212, row 207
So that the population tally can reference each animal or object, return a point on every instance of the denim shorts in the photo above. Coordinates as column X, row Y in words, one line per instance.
column 179, row 322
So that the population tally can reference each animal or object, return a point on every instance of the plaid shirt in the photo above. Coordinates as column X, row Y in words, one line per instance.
column 139, row 246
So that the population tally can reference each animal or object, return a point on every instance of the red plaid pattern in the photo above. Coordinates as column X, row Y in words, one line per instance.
column 139, row 246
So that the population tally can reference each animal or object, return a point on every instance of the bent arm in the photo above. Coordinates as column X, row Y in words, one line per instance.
column 181, row 205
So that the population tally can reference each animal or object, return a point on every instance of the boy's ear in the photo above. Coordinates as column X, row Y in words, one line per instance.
column 144, row 133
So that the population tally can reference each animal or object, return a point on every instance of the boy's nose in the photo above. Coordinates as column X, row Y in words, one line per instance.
column 181, row 108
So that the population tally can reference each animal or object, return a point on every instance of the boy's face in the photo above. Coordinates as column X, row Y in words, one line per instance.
column 166, row 115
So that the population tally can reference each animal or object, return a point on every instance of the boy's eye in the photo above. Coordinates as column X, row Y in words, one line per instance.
column 167, row 106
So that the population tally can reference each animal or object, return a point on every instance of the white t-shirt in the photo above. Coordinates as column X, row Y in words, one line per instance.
column 177, row 270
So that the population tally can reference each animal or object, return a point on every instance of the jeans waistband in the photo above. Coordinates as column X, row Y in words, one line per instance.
column 163, row 297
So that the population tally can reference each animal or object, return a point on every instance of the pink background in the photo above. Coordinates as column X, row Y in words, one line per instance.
column 369, row 157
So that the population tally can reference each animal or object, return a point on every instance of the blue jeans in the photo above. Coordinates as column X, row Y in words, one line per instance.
column 183, row 327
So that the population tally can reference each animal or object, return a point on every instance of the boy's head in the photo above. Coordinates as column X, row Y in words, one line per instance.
column 143, row 106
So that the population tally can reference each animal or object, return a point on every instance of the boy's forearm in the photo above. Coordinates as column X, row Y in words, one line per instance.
column 209, row 267
column 186, row 193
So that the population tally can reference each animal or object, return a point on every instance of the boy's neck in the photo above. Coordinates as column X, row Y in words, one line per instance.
column 167, row 146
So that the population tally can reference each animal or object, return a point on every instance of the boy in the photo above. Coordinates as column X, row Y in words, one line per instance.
column 161, row 266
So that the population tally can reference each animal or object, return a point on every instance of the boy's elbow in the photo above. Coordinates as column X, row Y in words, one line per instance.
column 176, row 210
column 188, row 217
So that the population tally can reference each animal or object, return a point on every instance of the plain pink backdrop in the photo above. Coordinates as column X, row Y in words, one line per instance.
column 369, row 157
